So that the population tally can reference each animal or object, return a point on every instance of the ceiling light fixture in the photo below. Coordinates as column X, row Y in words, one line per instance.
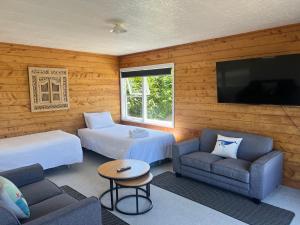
column 118, row 29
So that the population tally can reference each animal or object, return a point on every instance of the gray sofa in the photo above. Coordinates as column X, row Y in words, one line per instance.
column 255, row 173
column 48, row 204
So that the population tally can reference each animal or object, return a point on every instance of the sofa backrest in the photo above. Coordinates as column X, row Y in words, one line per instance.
column 251, row 148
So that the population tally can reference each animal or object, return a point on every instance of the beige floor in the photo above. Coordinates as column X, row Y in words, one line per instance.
column 169, row 209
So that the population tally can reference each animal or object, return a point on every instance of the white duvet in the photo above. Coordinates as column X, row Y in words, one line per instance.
column 50, row 149
column 115, row 142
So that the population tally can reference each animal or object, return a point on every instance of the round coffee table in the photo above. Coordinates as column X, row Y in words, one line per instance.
column 136, row 183
column 109, row 171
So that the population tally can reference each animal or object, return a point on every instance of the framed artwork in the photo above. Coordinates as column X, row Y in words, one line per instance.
column 48, row 89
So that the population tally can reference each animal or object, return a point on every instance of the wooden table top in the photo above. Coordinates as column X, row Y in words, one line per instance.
column 109, row 169
column 138, row 182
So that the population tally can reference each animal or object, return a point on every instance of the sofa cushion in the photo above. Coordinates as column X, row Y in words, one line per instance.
column 49, row 205
column 39, row 191
column 200, row 160
column 251, row 148
column 233, row 168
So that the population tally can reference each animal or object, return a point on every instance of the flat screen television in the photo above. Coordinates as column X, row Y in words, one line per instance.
column 268, row 80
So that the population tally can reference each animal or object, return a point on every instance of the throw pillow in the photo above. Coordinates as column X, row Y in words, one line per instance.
column 13, row 199
column 98, row 120
column 227, row 146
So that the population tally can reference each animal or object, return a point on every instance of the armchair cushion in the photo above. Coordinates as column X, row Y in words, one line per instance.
column 24, row 175
column 86, row 211
column 236, row 169
column 49, row 205
column 200, row 160
column 39, row 191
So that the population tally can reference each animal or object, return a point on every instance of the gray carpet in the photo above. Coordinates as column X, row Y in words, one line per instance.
column 107, row 217
column 231, row 204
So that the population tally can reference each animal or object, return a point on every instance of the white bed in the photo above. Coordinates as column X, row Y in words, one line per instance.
column 50, row 149
column 114, row 142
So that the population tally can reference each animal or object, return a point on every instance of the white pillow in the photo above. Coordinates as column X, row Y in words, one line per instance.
column 98, row 120
column 227, row 146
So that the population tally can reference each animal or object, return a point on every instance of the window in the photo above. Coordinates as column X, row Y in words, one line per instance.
column 148, row 94
column 50, row 91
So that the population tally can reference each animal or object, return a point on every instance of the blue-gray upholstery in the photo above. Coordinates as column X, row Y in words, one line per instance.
column 251, row 148
column 217, row 180
column 266, row 173
column 48, row 204
column 236, row 169
column 200, row 160
column 39, row 191
column 256, row 172
column 183, row 149
column 24, row 175
column 86, row 211
column 6, row 216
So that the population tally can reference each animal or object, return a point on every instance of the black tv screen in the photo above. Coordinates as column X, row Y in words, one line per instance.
column 269, row 80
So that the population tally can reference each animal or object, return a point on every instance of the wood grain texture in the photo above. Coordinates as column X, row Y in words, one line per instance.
column 93, row 86
column 196, row 104
column 110, row 169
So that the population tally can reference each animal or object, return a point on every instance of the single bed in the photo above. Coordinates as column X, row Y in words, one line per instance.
column 114, row 142
column 50, row 149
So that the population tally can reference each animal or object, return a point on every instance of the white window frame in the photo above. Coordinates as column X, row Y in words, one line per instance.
column 144, row 119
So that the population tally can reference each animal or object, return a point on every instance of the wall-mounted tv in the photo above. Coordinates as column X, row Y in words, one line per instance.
column 268, row 80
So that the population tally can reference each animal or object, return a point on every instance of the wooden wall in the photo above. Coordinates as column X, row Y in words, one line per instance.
column 93, row 86
column 196, row 104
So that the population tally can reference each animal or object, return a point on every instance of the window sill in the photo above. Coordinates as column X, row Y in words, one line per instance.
column 158, row 123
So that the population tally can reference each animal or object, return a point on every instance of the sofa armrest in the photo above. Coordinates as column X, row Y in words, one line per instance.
column 183, row 148
column 266, row 174
column 86, row 211
column 24, row 175
column 7, row 217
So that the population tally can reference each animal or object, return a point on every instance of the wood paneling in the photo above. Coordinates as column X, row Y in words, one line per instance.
column 93, row 86
column 196, row 104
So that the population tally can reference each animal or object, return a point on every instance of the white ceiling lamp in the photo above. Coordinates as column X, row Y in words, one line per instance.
column 118, row 29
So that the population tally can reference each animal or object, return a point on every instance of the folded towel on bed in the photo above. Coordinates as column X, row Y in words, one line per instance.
column 138, row 133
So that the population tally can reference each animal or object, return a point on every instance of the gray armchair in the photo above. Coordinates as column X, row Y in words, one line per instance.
column 255, row 173
column 48, row 204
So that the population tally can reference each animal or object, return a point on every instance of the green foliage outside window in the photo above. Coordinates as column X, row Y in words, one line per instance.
column 159, row 97
column 159, row 100
column 134, row 89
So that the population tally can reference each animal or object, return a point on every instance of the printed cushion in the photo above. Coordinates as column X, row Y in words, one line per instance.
column 13, row 198
column 227, row 146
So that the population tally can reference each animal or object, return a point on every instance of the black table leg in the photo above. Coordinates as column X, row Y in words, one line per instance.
column 117, row 193
column 148, row 190
column 137, row 200
column 111, row 192
column 136, row 196
column 111, row 184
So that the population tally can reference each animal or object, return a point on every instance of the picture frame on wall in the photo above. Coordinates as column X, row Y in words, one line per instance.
column 49, row 89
